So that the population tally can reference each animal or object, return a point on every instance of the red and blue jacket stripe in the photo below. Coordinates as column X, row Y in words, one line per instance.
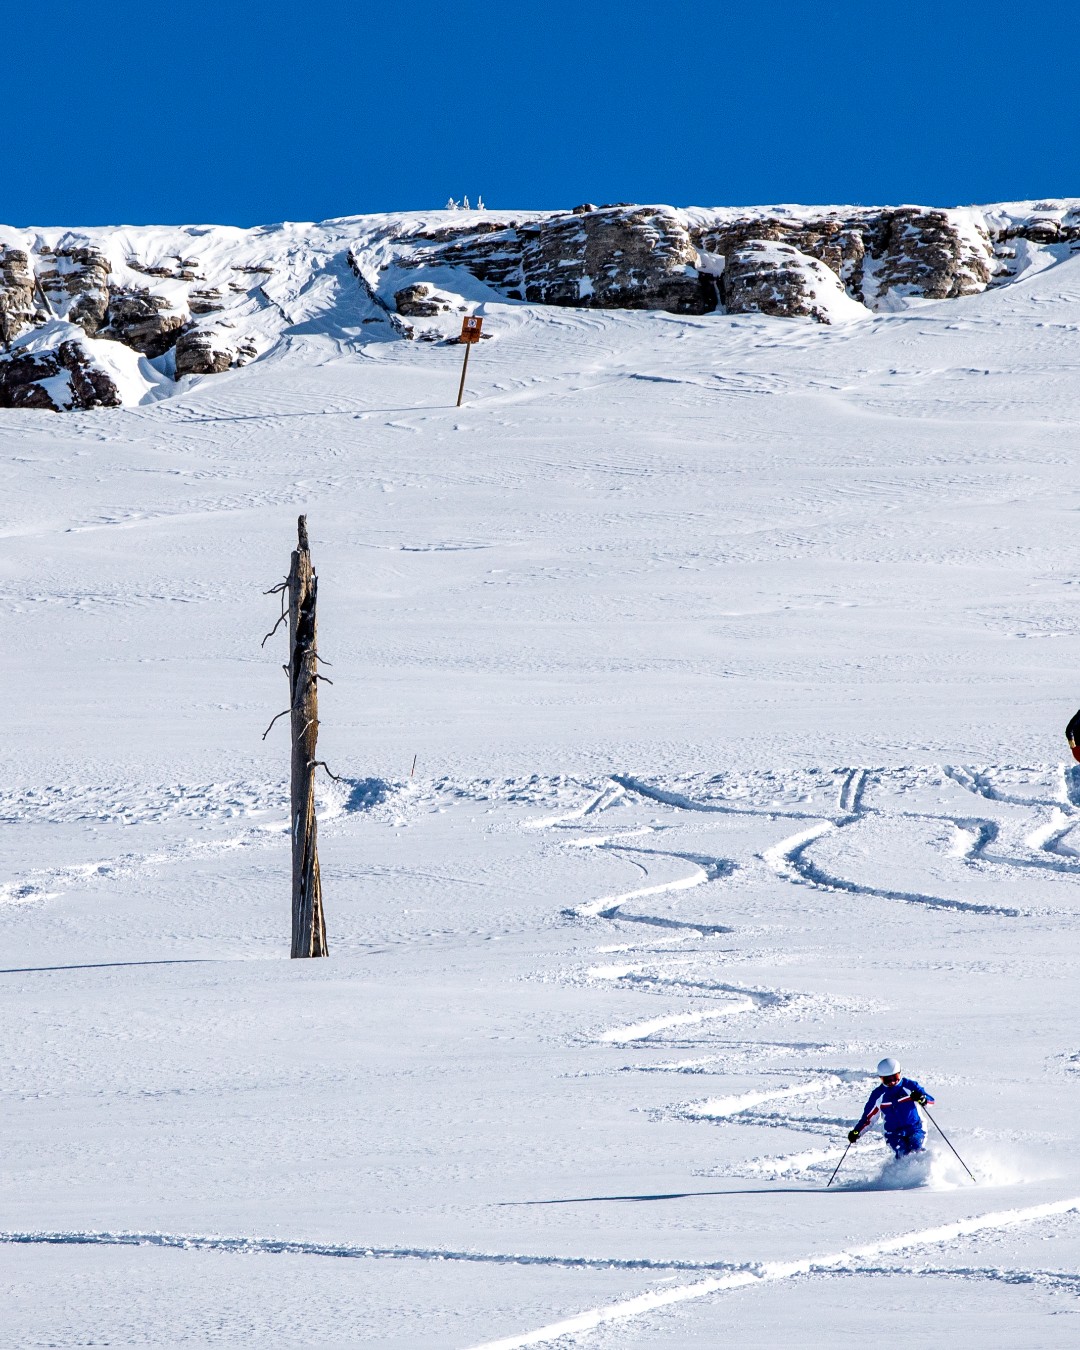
column 896, row 1105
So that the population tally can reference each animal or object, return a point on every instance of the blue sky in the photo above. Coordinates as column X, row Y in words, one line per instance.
column 245, row 113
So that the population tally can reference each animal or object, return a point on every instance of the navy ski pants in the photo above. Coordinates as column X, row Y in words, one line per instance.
column 904, row 1142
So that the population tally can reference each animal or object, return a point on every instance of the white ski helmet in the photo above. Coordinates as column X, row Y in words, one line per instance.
column 888, row 1067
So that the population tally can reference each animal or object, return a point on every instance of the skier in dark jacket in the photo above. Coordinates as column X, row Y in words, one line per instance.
column 898, row 1100
column 1072, row 735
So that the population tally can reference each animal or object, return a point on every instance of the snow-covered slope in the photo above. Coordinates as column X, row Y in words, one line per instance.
column 200, row 300
column 735, row 652
column 57, row 368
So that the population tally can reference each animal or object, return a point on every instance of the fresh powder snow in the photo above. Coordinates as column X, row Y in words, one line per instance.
column 735, row 653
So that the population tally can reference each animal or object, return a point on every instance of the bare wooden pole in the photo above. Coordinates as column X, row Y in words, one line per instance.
column 308, row 924
column 464, row 368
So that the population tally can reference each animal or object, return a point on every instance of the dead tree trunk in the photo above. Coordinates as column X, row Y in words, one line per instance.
column 308, row 925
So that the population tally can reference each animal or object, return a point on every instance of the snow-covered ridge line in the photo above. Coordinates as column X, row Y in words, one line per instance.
column 171, row 303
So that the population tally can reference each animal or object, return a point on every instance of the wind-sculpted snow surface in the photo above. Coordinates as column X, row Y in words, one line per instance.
column 694, row 740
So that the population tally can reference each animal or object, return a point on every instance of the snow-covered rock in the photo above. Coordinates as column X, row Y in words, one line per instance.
column 16, row 293
column 612, row 257
column 225, row 296
column 615, row 258
column 834, row 239
column 938, row 255
column 209, row 351
column 881, row 255
column 75, row 280
column 766, row 277
column 419, row 301
column 145, row 322
column 490, row 250
column 627, row 257
column 57, row 368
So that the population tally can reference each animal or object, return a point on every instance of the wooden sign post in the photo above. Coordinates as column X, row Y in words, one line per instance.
column 470, row 333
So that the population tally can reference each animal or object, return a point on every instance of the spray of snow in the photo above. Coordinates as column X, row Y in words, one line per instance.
column 936, row 1168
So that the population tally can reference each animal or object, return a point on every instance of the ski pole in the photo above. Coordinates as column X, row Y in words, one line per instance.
column 838, row 1166
column 944, row 1136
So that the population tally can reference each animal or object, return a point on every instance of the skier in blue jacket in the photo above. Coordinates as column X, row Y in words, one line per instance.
column 898, row 1100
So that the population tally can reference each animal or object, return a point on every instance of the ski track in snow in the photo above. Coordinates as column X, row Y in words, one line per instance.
column 705, row 869
column 640, row 1031
column 720, row 1108
column 789, row 861
column 49, row 883
column 349, row 1251
column 214, row 804
column 685, row 803
column 794, row 1163
column 661, row 972
column 847, row 1261
column 721, row 1276
column 607, row 796
column 788, row 857
column 851, row 791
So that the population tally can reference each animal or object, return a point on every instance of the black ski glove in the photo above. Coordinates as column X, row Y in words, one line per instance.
column 919, row 1098
column 852, row 1135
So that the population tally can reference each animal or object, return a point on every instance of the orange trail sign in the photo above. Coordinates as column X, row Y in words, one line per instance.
column 470, row 333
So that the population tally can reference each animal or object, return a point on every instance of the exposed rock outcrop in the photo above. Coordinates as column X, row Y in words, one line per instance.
column 879, row 255
column 766, row 277
column 621, row 257
column 54, row 368
column 836, row 241
column 1043, row 223
column 626, row 257
column 17, row 301
column 490, row 250
column 145, row 322
column 75, row 280
column 613, row 258
column 928, row 254
column 206, row 300
column 419, row 301
column 209, row 351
